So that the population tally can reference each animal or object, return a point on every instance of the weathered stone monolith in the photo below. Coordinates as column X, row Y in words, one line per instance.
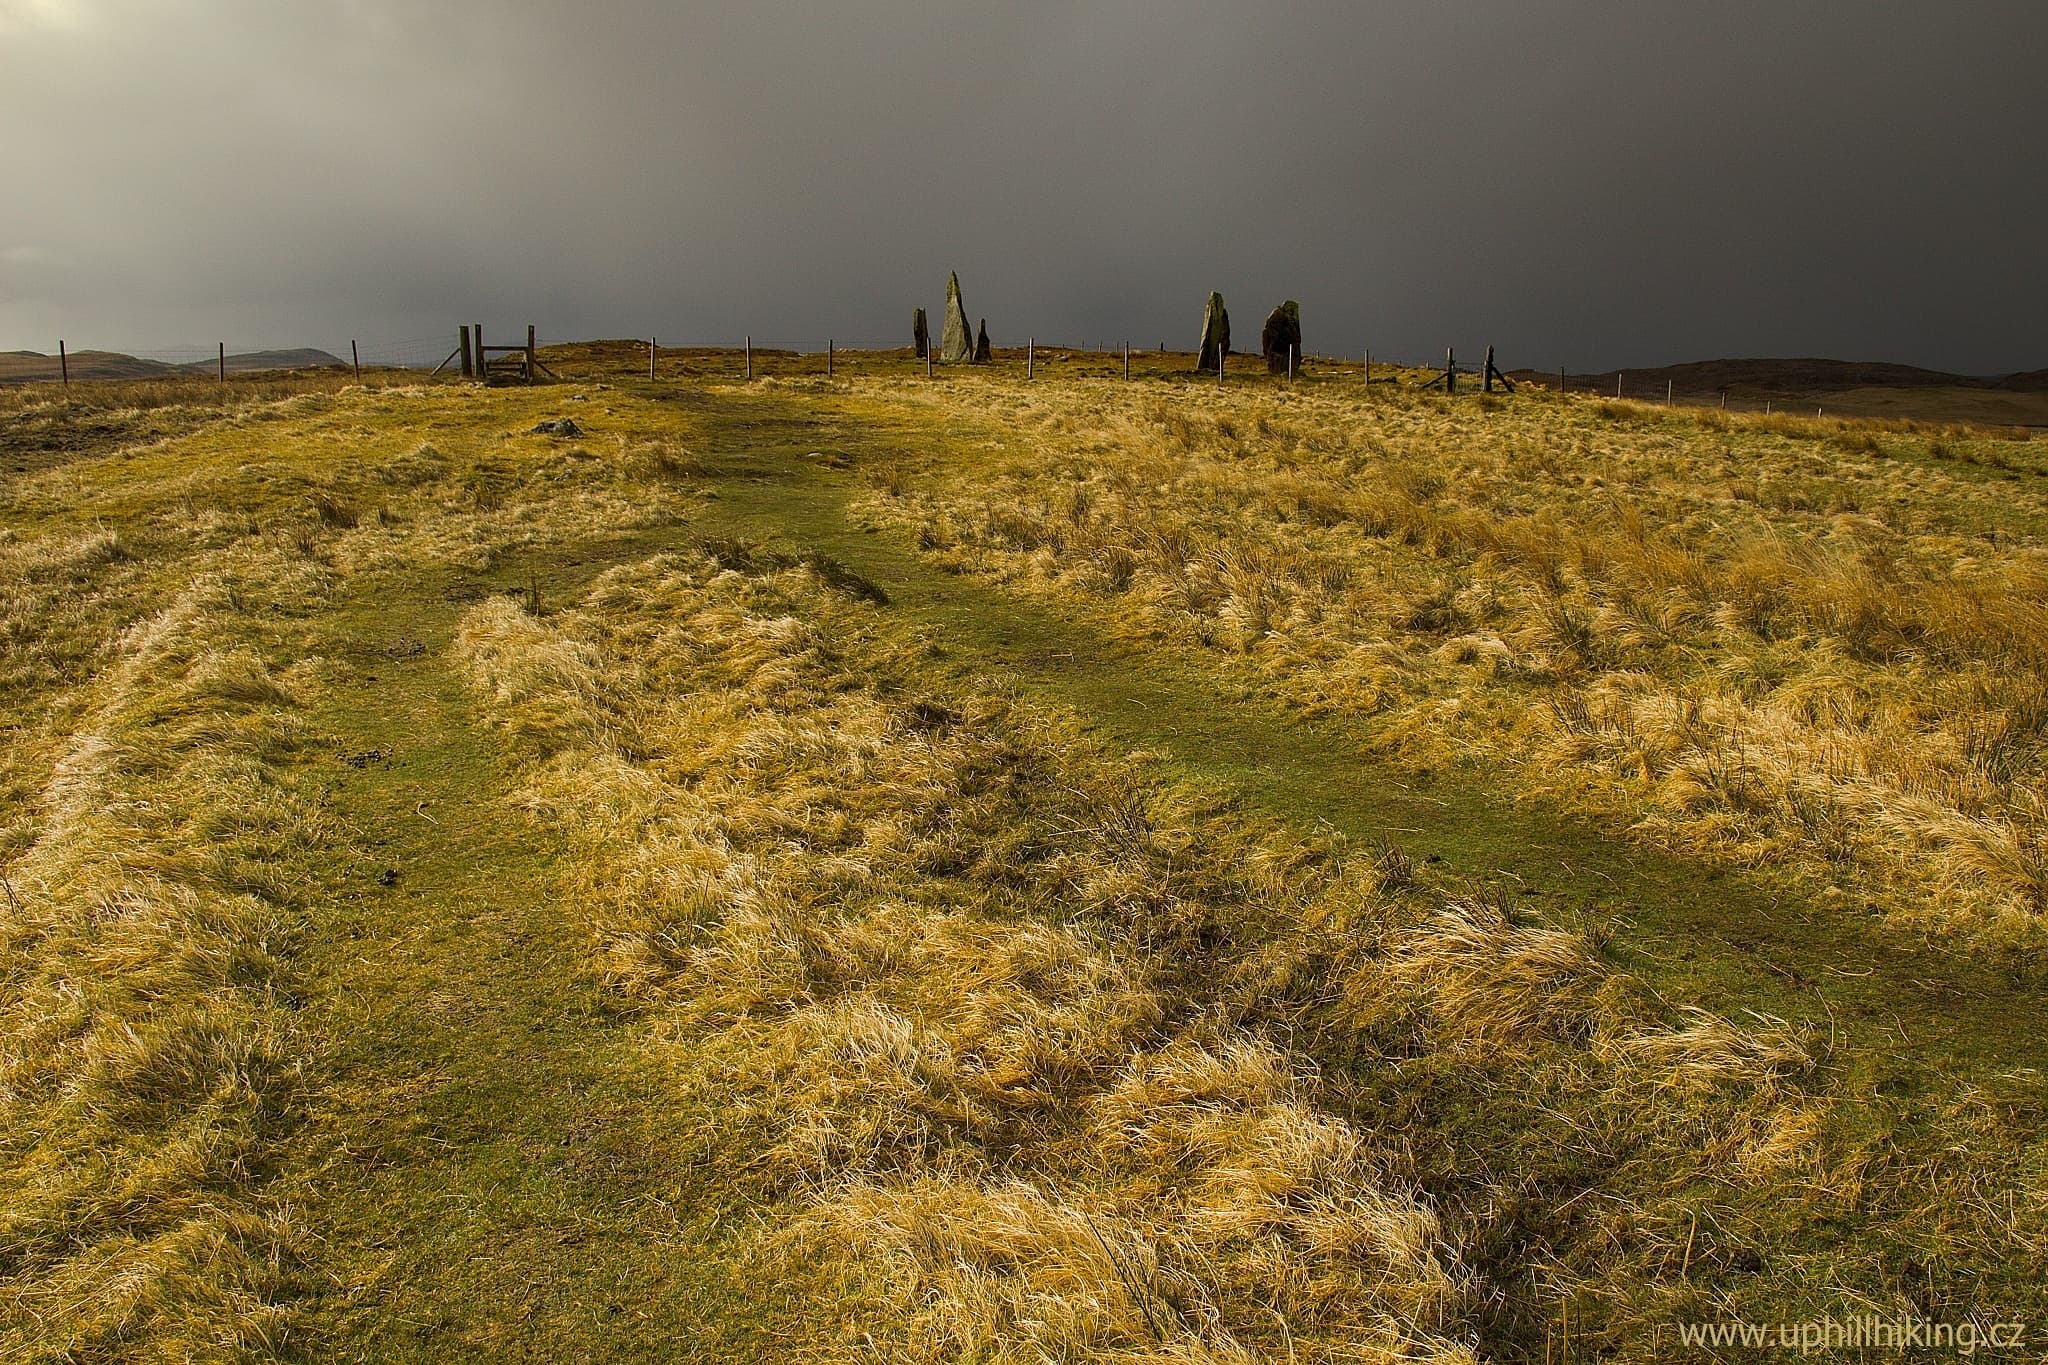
column 1215, row 333
column 1281, row 337
column 920, row 334
column 957, row 347
column 981, row 352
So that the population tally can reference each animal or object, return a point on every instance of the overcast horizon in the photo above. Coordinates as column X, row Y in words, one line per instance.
column 1585, row 185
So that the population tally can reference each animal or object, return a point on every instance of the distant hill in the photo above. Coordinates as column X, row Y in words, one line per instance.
column 303, row 358
column 1806, row 375
column 29, row 367
column 1839, row 388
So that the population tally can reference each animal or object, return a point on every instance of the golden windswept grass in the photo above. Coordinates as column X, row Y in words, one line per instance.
column 147, row 1059
column 1768, row 641
column 1042, row 1057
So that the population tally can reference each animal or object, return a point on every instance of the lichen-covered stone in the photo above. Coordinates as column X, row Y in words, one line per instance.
column 1281, row 337
column 957, row 346
column 981, row 351
column 1215, row 333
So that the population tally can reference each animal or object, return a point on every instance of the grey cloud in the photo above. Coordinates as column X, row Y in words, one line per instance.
column 1588, row 182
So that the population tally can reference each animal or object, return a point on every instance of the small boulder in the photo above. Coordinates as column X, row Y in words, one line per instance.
column 561, row 426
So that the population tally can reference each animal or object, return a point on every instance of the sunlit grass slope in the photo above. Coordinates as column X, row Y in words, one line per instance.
column 1768, row 642
column 476, row 893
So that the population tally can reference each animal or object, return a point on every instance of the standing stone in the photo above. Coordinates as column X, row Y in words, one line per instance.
column 957, row 347
column 1281, row 337
column 1215, row 334
column 981, row 353
column 920, row 334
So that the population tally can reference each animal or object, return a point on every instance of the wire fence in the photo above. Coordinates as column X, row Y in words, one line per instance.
column 581, row 359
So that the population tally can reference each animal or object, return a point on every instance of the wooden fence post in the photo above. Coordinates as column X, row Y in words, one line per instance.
column 64, row 364
column 1667, row 393
column 355, row 359
column 1030, row 355
column 927, row 360
column 462, row 344
column 1450, row 370
column 1127, row 362
column 223, row 362
column 749, row 343
column 1291, row 351
column 1561, row 386
column 1486, row 380
column 830, row 347
column 1221, row 352
column 1368, row 369
column 529, row 353
column 1617, row 383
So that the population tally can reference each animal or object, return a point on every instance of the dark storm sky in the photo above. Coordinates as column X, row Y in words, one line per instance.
column 1601, row 183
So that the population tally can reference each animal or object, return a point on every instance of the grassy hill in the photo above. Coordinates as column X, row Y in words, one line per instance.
column 964, row 869
column 1840, row 388
column 33, row 367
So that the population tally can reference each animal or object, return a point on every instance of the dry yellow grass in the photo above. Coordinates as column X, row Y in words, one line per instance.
column 1032, row 1041
column 1771, row 641
column 987, row 1038
column 147, row 1058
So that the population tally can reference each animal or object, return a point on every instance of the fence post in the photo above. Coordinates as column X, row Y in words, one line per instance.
column 927, row 360
column 355, row 359
column 1617, row 383
column 1030, row 355
column 652, row 346
column 1486, row 380
column 1561, row 385
column 749, row 343
column 64, row 364
column 1127, row 362
column 462, row 345
column 223, row 362
column 831, row 346
column 529, row 353
column 1450, row 370
column 1667, row 393
column 1221, row 353
column 1368, row 369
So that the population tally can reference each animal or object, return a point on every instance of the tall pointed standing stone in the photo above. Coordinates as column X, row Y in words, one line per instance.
column 1215, row 333
column 958, row 345
column 981, row 351
column 920, row 334
column 1281, row 338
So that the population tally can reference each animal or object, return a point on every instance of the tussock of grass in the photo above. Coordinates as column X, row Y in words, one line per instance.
column 147, row 1058
column 1823, row 671
column 1046, row 1059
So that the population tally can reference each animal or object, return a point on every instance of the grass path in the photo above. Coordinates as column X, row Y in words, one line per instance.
column 487, row 1177
column 1726, row 941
